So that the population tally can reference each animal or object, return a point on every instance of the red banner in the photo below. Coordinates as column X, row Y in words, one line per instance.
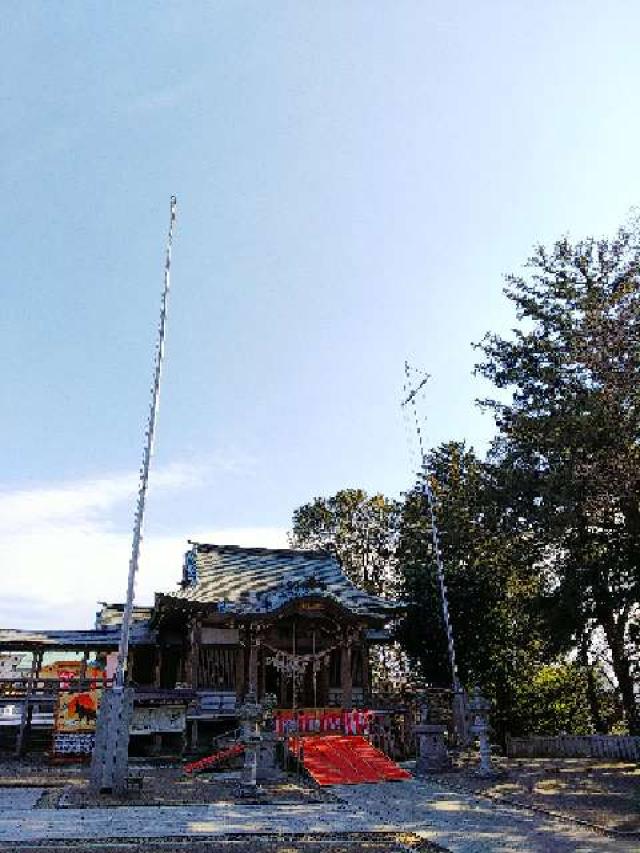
column 322, row 721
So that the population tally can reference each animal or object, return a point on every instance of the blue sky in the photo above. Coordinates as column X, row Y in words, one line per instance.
column 353, row 179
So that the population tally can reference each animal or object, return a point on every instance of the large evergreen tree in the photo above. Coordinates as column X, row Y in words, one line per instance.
column 570, row 436
column 492, row 592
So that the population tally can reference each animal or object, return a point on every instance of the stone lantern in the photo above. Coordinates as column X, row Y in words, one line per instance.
column 480, row 707
column 250, row 715
column 259, row 755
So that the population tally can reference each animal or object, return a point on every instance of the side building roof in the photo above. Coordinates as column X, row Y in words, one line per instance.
column 259, row 580
column 111, row 615
column 61, row 640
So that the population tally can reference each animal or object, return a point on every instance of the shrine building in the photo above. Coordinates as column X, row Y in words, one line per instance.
column 254, row 620
column 283, row 625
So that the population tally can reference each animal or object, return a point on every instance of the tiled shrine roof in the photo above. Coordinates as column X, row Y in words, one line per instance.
column 259, row 580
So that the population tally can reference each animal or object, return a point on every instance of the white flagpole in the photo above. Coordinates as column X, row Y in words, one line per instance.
column 123, row 648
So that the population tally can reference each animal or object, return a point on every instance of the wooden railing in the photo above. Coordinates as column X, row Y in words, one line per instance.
column 43, row 689
column 575, row 746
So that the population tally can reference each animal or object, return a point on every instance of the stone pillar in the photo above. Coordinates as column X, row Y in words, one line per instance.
column 460, row 717
column 267, row 767
column 250, row 713
column 345, row 676
column 432, row 751
column 250, row 768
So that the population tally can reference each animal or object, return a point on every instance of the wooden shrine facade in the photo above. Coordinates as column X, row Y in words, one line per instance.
column 282, row 624
column 310, row 653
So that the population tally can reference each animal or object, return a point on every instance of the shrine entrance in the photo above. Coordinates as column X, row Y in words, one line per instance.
column 301, row 658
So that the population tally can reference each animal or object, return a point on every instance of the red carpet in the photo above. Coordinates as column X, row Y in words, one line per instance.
column 345, row 760
column 216, row 758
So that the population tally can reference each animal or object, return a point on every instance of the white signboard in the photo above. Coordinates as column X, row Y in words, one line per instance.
column 166, row 718
column 219, row 636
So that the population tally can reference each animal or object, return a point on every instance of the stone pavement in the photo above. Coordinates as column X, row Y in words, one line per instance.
column 458, row 822
column 462, row 823
column 178, row 821
column 19, row 798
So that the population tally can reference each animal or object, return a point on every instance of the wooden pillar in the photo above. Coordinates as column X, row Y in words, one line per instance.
column 253, row 665
column 366, row 665
column 366, row 671
column 345, row 676
column 262, row 672
column 194, row 635
column 130, row 662
column 27, row 709
column 83, row 665
column 323, row 683
column 158, row 666
column 240, row 685
column 284, row 683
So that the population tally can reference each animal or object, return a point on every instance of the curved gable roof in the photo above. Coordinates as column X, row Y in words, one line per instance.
column 259, row 580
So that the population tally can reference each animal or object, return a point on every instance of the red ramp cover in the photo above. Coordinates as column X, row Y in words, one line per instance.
column 216, row 758
column 345, row 760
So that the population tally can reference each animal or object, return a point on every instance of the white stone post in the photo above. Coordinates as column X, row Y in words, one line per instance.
column 480, row 708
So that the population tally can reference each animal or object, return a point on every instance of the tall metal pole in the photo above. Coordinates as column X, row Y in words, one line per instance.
column 427, row 491
column 442, row 585
column 123, row 648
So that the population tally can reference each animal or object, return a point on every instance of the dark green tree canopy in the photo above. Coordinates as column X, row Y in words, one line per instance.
column 363, row 530
column 571, row 433
column 540, row 540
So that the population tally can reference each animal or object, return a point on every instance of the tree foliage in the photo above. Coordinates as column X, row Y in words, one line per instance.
column 571, row 435
column 541, row 540
column 492, row 592
column 363, row 530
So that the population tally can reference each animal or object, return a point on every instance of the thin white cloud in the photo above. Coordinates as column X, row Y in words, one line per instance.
column 60, row 553
column 84, row 500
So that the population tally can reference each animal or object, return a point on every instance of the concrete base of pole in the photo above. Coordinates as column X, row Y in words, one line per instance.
column 110, row 759
column 432, row 751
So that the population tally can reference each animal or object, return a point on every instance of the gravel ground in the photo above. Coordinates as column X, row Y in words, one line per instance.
column 604, row 793
column 468, row 823
column 169, row 786
column 456, row 809
column 67, row 786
